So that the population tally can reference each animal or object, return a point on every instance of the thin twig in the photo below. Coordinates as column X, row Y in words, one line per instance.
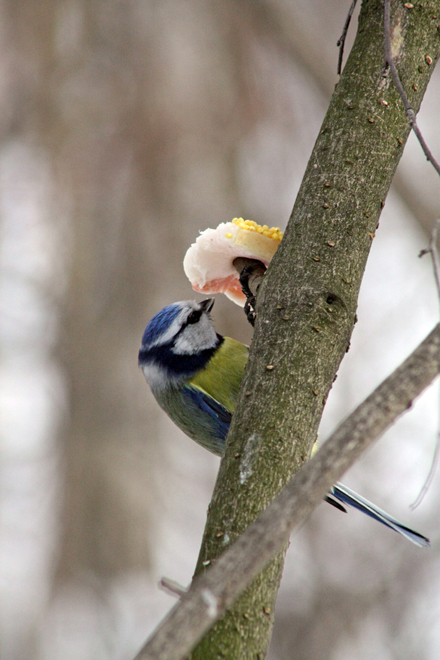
column 341, row 41
column 435, row 255
column 432, row 470
column 213, row 592
column 433, row 251
column 406, row 104
column 172, row 587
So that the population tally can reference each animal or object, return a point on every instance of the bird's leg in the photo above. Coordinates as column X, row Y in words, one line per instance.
column 251, row 274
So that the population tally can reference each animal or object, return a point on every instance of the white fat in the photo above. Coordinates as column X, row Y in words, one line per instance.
column 196, row 337
column 211, row 256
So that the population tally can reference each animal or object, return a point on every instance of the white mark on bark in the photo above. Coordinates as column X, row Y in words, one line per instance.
column 249, row 455
column 211, row 602
column 396, row 39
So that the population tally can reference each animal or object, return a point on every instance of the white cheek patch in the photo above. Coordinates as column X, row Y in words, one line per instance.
column 196, row 337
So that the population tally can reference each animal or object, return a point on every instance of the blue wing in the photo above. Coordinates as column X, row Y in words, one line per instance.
column 347, row 496
column 211, row 416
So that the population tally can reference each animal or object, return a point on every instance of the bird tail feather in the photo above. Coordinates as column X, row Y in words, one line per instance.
column 347, row 496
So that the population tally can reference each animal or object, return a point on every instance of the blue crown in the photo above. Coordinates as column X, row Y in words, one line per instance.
column 159, row 323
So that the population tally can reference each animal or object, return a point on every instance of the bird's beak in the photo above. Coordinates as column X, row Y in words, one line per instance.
column 207, row 305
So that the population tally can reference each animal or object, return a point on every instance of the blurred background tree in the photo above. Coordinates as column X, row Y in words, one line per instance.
column 126, row 127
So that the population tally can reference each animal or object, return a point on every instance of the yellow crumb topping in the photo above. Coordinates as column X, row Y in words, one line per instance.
column 250, row 225
column 228, row 235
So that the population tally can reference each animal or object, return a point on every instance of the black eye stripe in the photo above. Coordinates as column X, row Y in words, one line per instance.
column 194, row 317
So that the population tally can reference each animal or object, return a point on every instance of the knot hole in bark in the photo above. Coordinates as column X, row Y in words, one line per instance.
column 334, row 305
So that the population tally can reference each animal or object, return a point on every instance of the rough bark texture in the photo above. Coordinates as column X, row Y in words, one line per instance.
column 307, row 303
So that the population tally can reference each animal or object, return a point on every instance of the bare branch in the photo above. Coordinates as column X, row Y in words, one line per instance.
column 213, row 592
column 408, row 108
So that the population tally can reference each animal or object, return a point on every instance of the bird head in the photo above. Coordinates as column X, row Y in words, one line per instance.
column 178, row 342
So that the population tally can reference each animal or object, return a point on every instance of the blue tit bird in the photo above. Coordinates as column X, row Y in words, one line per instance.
column 195, row 375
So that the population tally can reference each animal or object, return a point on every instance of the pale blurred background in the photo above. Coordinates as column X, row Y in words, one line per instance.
column 126, row 127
